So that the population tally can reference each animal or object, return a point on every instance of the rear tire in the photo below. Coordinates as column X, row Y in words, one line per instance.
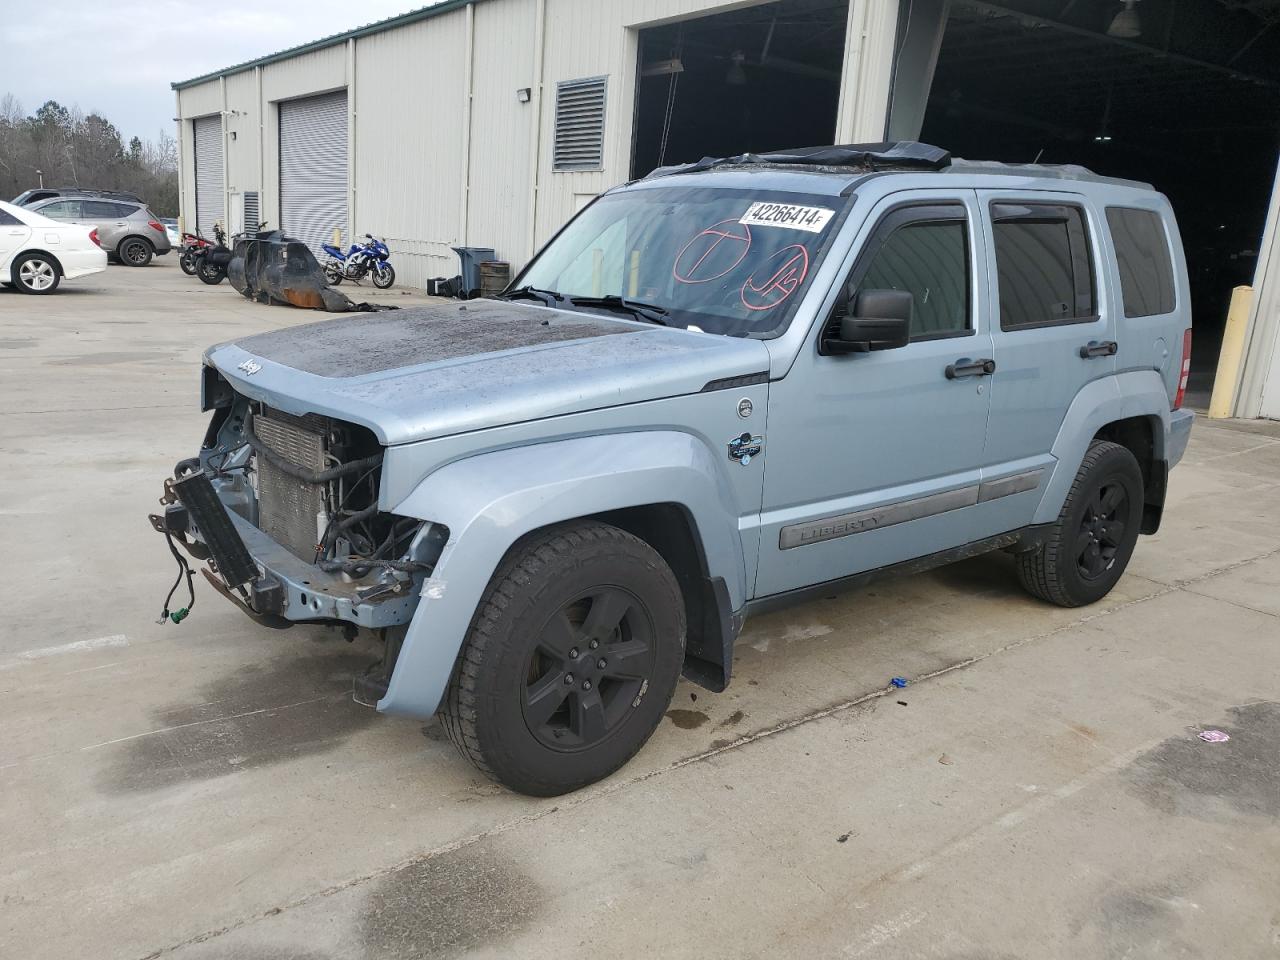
column 36, row 273
column 1091, row 542
column 135, row 252
column 570, row 662
column 188, row 262
column 211, row 274
column 333, row 273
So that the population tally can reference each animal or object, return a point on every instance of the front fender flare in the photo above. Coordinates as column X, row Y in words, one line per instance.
column 491, row 500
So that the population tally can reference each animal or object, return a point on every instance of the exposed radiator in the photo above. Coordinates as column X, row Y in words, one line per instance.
column 287, row 507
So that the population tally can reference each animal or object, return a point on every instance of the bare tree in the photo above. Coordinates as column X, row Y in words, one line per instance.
column 71, row 148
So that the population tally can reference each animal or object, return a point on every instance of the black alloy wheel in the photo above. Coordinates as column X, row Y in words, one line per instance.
column 136, row 252
column 586, row 671
column 1102, row 530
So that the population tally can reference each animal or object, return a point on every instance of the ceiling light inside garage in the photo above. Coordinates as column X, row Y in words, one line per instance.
column 1126, row 25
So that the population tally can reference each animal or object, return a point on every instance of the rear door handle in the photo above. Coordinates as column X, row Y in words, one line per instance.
column 970, row 368
column 1099, row 348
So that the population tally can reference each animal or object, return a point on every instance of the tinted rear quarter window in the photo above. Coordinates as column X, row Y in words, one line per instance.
column 1146, row 266
column 1043, row 264
column 102, row 208
column 7, row 219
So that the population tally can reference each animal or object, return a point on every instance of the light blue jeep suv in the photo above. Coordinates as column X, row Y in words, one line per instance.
column 716, row 390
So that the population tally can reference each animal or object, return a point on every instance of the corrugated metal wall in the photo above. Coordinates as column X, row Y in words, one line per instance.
column 409, row 106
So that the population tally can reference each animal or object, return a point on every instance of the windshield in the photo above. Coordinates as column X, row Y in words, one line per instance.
column 734, row 262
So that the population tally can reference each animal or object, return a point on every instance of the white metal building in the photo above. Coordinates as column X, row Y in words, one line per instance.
column 490, row 122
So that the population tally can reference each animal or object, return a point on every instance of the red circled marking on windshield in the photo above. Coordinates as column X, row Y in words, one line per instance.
column 714, row 247
column 781, row 283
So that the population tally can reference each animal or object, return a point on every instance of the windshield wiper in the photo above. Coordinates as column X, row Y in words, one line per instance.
column 548, row 297
column 638, row 309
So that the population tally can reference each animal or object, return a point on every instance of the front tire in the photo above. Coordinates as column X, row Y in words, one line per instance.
column 384, row 276
column 1091, row 542
column 210, row 273
column 135, row 252
column 36, row 273
column 570, row 662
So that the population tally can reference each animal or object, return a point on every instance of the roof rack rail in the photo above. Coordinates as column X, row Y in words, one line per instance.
column 865, row 157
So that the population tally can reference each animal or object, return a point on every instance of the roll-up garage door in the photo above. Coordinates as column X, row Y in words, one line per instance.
column 313, row 168
column 209, row 186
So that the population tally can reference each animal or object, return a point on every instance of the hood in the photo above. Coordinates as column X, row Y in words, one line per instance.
column 425, row 372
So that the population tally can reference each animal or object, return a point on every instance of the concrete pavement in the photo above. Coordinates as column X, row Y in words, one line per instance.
column 211, row 791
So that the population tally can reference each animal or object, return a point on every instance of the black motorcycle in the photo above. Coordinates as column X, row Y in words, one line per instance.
column 211, row 266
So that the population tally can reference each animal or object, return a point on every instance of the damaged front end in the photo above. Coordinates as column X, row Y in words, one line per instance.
column 283, row 511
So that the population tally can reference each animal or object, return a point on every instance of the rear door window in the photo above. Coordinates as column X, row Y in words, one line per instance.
column 1043, row 263
column 103, row 209
column 1146, row 266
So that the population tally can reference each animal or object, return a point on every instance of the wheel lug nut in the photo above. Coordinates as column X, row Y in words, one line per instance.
column 573, row 654
column 568, row 678
column 594, row 644
column 586, row 684
column 602, row 663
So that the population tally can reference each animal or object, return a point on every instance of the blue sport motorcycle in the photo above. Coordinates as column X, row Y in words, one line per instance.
column 363, row 259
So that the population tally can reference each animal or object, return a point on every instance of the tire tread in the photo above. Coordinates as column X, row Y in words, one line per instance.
column 1039, row 570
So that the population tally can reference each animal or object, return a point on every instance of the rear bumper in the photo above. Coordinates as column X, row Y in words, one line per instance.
column 1175, row 442
column 80, row 263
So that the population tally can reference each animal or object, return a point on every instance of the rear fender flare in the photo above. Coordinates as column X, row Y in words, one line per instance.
column 1137, row 393
column 491, row 500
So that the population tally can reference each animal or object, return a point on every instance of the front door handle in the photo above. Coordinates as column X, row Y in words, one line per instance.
column 970, row 368
column 1099, row 348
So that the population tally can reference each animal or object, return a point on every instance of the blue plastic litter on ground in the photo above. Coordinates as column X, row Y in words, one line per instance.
column 899, row 682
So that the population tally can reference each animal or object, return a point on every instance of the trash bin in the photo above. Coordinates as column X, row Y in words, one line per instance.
column 471, row 258
column 495, row 275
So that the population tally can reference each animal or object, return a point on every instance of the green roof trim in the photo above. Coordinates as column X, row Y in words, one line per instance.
column 379, row 26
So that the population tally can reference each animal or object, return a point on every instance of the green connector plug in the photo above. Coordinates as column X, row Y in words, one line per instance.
column 179, row 615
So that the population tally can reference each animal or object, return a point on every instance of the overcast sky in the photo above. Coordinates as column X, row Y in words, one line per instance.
column 119, row 56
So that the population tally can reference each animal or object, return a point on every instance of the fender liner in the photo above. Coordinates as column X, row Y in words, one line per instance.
column 489, row 501
column 1135, row 393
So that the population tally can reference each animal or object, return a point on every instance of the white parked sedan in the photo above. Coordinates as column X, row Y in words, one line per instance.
column 36, row 252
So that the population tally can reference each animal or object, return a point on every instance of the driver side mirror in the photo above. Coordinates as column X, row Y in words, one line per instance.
column 876, row 320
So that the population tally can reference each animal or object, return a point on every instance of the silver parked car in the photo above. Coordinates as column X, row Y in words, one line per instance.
column 128, row 231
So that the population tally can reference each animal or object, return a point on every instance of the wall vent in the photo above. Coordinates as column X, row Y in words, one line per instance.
column 251, row 215
column 579, row 143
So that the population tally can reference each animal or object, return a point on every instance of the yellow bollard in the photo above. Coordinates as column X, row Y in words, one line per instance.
column 1231, row 355
column 337, row 237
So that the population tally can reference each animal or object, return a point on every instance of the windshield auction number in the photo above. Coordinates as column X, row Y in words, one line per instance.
column 792, row 216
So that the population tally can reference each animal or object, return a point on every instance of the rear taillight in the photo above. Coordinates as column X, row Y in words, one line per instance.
column 93, row 235
column 156, row 225
column 1185, row 374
